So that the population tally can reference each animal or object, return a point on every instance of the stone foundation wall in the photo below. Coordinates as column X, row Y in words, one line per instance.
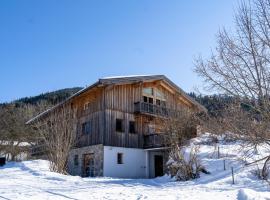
column 96, row 150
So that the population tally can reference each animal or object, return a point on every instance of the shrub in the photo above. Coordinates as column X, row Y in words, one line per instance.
column 184, row 168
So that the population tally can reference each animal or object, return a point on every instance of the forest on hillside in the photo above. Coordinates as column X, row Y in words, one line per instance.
column 14, row 133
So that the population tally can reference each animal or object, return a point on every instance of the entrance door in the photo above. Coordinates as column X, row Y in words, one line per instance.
column 158, row 165
column 88, row 165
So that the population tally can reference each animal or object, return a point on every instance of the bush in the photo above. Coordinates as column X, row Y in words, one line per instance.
column 184, row 168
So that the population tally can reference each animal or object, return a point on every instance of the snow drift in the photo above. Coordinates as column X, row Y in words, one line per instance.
column 33, row 180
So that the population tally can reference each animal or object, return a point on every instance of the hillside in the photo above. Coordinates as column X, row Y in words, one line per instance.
column 50, row 97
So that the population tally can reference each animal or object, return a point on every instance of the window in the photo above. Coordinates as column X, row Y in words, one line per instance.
column 86, row 128
column 151, row 128
column 131, row 127
column 163, row 103
column 159, row 94
column 119, row 125
column 76, row 160
column 160, row 103
column 86, row 106
column 148, row 100
column 153, row 96
column 120, row 158
column 148, row 91
column 145, row 99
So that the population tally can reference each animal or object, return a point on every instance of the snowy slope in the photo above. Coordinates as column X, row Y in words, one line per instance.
column 33, row 180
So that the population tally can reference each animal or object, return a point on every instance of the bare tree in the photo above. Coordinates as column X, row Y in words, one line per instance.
column 15, row 136
column 240, row 67
column 178, row 129
column 58, row 132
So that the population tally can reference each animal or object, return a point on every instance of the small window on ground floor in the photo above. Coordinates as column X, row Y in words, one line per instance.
column 120, row 158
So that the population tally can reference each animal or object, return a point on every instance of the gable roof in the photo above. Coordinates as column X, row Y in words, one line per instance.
column 124, row 80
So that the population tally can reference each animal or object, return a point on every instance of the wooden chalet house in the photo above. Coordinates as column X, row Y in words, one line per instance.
column 116, row 121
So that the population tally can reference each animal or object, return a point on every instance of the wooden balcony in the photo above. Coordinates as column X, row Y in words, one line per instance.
column 151, row 109
column 154, row 141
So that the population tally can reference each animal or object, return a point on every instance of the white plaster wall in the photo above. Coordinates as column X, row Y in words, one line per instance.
column 134, row 163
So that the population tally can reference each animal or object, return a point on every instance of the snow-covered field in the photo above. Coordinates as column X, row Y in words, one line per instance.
column 33, row 180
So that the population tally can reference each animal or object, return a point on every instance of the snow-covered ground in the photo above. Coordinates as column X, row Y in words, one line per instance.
column 33, row 180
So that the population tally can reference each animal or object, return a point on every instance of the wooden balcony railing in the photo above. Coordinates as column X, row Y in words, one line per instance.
column 148, row 108
column 154, row 140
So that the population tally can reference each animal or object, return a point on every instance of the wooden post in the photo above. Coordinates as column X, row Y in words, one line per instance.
column 224, row 166
column 232, row 175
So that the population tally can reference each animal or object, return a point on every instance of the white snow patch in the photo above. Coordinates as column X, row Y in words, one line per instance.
column 33, row 180
column 248, row 194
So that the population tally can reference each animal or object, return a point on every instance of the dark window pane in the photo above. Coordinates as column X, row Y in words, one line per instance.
column 83, row 128
column 158, row 102
column 86, row 128
column 131, row 126
column 151, row 100
column 120, row 158
column 119, row 125
column 145, row 99
column 76, row 160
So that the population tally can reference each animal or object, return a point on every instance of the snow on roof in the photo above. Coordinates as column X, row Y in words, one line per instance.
column 128, row 76
column 14, row 143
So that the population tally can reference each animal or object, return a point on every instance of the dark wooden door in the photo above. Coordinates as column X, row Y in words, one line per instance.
column 158, row 165
column 88, row 165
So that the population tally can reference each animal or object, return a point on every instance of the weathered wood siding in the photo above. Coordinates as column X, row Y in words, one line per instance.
column 119, row 104
column 116, row 101
column 94, row 114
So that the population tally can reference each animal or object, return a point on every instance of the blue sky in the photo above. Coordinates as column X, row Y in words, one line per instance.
column 53, row 44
